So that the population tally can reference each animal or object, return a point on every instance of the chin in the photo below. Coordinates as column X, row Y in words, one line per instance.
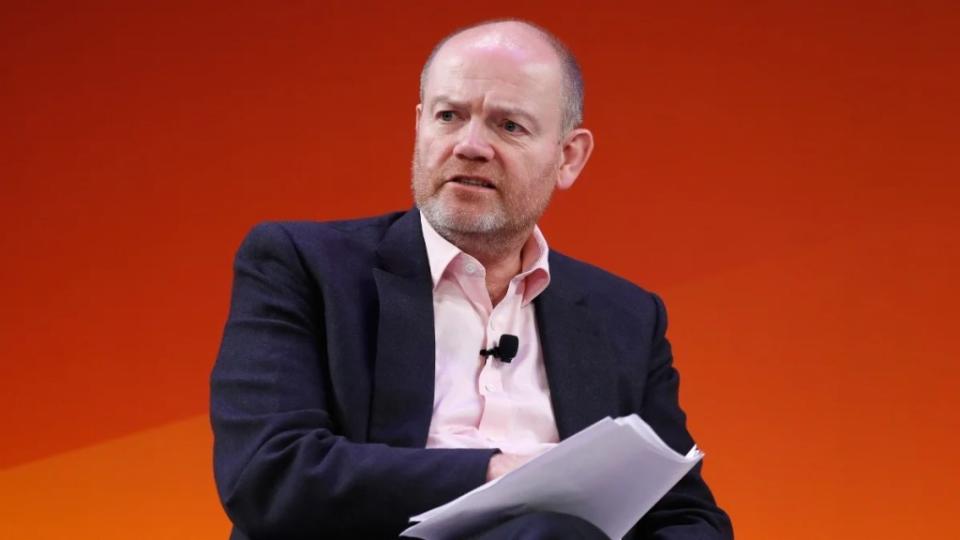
column 461, row 221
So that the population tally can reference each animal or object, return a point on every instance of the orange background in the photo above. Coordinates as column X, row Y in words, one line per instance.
column 785, row 175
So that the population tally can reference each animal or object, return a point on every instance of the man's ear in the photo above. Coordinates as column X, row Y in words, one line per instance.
column 575, row 151
column 416, row 125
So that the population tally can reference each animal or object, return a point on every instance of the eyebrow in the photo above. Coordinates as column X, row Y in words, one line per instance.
column 502, row 110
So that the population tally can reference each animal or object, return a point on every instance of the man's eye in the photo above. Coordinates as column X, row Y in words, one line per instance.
column 512, row 126
column 446, row 116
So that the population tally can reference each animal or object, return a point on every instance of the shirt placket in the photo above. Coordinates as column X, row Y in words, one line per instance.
column 497, row 417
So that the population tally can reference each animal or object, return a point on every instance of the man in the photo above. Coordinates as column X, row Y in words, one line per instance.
column 350, row 393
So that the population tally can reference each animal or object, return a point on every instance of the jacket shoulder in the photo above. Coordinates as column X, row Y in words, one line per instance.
column 603, row 288
column 308, row 239
column 330, row 251
column 369, row 230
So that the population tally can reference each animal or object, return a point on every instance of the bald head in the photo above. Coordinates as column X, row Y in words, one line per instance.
column 520, row 37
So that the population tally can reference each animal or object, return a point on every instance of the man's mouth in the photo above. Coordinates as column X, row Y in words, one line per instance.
column 474, row 181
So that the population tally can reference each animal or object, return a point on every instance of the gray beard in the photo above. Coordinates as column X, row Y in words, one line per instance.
column 485, row 237
column 448, row 220
column 490, row 232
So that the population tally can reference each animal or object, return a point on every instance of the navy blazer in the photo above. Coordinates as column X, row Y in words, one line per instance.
column 322, row 393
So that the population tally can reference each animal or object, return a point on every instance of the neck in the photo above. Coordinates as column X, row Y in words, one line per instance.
column 500, row 256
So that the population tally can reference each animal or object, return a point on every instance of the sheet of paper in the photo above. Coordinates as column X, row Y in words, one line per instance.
column 610, row 474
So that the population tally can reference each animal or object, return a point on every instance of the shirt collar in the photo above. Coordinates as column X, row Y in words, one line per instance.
column 534, row 259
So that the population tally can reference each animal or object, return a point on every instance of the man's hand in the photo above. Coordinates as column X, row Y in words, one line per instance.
column 501, row 464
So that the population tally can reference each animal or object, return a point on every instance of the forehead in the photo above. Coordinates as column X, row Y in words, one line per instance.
column 508, row 65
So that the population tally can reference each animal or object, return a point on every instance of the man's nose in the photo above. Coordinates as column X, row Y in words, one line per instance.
column 473, row 143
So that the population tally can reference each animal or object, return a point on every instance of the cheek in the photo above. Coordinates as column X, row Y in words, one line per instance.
column 432, row 150
column 540, row 171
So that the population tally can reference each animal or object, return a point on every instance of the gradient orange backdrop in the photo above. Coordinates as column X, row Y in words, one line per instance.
column 784, row 174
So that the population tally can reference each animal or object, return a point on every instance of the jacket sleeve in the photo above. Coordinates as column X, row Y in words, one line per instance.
column 282, row 469
column 688, row 511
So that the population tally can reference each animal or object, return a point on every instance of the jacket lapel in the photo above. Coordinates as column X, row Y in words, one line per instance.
column 402, row 403
column 580, row 368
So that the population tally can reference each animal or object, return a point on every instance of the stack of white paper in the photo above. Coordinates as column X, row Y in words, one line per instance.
column 609, row 474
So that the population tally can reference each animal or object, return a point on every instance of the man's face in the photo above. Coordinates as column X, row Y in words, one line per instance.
column 488, row 135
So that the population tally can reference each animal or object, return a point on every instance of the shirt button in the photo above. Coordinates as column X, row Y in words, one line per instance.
column 470, row 268
column 490, row 387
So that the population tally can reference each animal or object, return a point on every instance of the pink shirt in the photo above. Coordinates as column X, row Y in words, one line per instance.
column 480, row 403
